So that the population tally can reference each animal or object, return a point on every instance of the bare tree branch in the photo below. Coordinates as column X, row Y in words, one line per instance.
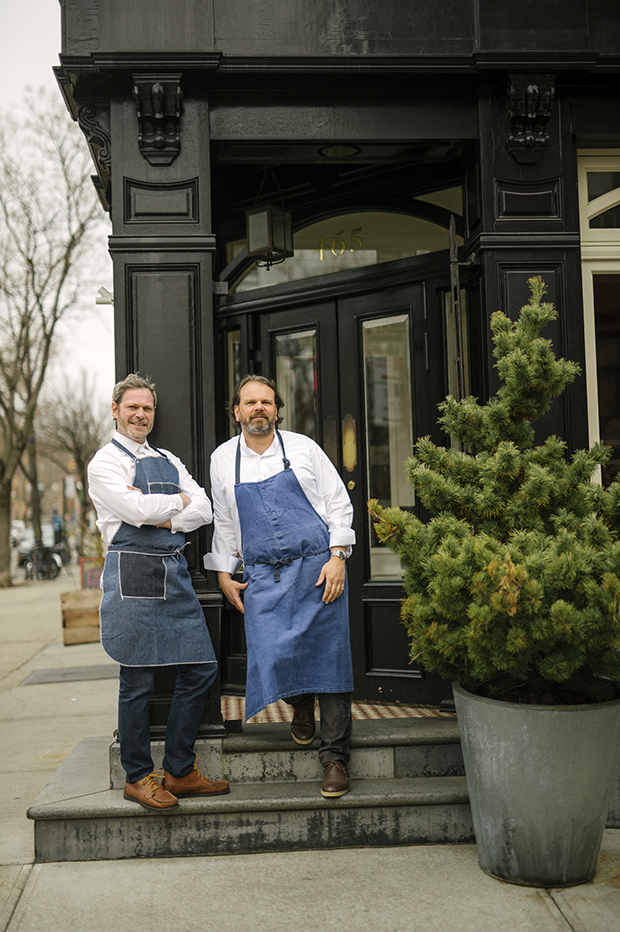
column 70, row 423
column 49, row 217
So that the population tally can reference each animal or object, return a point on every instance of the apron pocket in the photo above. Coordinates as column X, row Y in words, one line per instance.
column 141, row 575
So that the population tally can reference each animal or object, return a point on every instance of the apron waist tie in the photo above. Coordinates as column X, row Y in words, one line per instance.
column 178, row 553
column 278, row 563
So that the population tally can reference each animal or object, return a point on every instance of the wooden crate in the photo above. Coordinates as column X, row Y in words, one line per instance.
column 80, row 616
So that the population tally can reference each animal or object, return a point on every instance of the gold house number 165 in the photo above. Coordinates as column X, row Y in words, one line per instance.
column 338, row 245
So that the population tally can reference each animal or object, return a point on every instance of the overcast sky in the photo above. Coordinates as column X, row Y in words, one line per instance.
column 29, row 49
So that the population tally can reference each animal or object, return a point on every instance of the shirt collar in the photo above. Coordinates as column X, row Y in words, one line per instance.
column 268, row 452
column 138, row 449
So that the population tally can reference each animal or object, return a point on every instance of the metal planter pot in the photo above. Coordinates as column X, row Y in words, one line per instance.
column 539, row 780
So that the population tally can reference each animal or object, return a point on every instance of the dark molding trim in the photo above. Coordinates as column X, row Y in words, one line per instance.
column 581, row 61
column 517, row 201
column 145, row 202
column 156, row 244
column 527, row 241
column 352, row 281
column 153, row 61
column 544, row 60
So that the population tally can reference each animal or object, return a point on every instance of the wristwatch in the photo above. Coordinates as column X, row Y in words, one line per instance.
column 341, row 554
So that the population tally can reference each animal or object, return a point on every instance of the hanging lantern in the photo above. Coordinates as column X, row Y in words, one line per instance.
column 269, row 234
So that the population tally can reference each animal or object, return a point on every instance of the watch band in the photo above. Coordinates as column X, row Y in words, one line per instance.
column 341, row 554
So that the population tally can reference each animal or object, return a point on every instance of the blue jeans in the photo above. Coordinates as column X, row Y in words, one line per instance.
column 136, row 686
column 336, row 725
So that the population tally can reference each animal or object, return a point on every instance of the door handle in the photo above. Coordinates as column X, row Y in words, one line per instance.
column 349, row 443
column 350, row 485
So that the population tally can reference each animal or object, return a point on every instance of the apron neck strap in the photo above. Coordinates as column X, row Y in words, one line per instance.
column 132, row 455
column 124, row 449
column 287, row 463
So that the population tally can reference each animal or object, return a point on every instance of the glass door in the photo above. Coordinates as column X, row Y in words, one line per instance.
column 391, row 345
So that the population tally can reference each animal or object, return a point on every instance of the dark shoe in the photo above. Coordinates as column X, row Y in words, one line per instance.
column 303, row 726
column 335, row 779
column 194, row 784
column 150, row 794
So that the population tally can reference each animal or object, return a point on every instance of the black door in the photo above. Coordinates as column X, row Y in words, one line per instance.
column 362, row 376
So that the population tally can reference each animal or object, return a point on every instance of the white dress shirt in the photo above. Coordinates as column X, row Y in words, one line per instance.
column 110, row 472
column 315, row 472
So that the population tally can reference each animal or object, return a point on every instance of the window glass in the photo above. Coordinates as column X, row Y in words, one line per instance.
column 608, row 220
column 296, row 377
column 389, row 431
column 233, row 368
column 450, row 198
column 607, row 322
column 602, row 183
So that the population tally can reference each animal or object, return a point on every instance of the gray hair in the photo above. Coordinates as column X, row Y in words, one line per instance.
column 133, row 380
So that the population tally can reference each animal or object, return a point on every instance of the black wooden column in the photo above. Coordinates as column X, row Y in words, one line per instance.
column 522, row 218
column 162, row 248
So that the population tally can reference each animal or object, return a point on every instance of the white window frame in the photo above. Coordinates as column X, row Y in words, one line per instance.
column 600, row 255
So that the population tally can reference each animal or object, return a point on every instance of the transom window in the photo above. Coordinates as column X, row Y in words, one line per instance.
column 353, row 240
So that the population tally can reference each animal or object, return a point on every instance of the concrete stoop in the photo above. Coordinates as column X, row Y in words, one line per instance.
column 407, row 787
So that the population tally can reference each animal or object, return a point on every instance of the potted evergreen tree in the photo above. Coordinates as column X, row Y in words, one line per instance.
column 513, row 591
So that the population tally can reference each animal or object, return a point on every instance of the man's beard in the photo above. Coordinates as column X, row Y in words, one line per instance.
column 258, row 430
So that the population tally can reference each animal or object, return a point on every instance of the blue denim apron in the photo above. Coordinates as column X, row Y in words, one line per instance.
column 150, row 615
column 296, row 643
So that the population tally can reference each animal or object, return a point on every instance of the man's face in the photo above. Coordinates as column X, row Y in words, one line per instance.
column 256, row 411
column 135, row 414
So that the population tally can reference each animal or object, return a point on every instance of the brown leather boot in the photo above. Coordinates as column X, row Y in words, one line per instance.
column 303, row 726
column 194, row 784
column 335, row 779
column 150, row 794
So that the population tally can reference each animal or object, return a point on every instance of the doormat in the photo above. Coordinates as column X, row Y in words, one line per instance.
column 104, row 671
column 233, row 709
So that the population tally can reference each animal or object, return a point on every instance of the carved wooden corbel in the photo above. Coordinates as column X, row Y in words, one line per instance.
column 158, row 105
column 94, row 121
column 530, row 102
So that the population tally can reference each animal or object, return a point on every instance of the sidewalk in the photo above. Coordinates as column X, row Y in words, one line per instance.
column 352, row 890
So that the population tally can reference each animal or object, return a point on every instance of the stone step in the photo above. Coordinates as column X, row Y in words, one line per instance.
column 380, row 749
column 78, row 816
column 419, row 797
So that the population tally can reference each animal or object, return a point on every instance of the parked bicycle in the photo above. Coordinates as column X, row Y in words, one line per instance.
column 41, row 563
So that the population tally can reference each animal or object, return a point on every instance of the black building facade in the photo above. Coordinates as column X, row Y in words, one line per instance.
column 374, row 125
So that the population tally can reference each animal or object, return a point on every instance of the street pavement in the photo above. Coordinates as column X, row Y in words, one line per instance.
column 434, row 887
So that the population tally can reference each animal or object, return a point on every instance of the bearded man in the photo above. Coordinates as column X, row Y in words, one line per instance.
column 281, row 510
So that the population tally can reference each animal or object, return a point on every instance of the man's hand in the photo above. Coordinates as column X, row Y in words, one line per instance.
column 333, row 574
column 232, row 590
